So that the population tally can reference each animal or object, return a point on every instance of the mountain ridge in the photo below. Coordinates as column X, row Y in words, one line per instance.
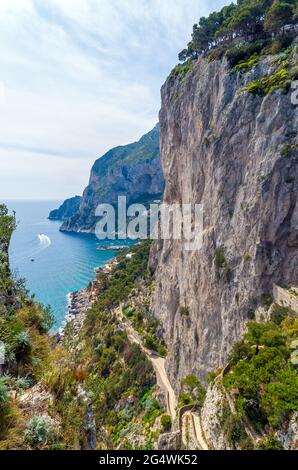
column 132, row 170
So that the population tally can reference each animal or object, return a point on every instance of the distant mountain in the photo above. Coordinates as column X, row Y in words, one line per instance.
column 67, row 209
column 132, row 170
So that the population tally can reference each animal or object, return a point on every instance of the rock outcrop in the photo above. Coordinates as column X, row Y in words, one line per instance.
column 169, row 441
column 235, row 153
column 132, row 170
column 67, row 209
column 212, row 417
column 289, row 436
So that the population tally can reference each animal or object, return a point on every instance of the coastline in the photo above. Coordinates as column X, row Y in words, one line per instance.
column 79, row 302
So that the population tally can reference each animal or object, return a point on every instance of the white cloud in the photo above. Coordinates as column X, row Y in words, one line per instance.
column 45, row 174
column 81, row 76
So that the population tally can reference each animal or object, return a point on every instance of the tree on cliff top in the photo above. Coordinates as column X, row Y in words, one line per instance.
column 279, row 14
column 7, row 225
column 246, row 19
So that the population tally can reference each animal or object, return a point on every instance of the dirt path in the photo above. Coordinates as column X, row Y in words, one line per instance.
column 194, row 424
column 189, row 438
column 158, row 364
column 198, row 431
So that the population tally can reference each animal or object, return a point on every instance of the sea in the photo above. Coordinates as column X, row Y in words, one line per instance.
column 53, row 263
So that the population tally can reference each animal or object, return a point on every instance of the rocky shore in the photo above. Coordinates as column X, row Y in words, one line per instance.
column 81, row 300
column 112, row 247
column 78, row 304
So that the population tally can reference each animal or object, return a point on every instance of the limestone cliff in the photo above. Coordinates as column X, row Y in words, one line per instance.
column 132, row 170
column 236, row 153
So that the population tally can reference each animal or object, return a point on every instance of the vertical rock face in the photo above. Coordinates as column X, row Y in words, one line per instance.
column 235, row 153
column 212, row 417
column 132, row 170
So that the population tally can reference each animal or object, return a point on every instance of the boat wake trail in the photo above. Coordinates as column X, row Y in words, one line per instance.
column 44, row 240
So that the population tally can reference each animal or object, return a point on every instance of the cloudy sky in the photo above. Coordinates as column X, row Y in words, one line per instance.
column 78, row 77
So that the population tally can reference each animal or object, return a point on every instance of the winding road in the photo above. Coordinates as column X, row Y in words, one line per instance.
column 158, row 364
column 198, row 431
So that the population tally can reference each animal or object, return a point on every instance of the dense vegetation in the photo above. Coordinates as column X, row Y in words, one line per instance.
column 115, row 375
column 114, row 380
column 262, row 375
column 247, row 34
column 125, row 275
column 23, row 332
column 7, row 225
column 94, row 388
column 282, row 73
column 99, row 388
column 247, row 20
column 147, row 327
column 192, row 392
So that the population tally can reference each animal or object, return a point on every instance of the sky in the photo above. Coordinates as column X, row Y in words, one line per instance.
column 78, row 77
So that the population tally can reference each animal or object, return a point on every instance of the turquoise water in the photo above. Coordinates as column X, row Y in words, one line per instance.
column 62, row 263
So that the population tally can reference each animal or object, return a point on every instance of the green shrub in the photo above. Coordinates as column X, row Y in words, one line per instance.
column 234, row 430
column 251, row 314
column 280, row 79
column 286, row 151
column 23, row 383
column 212, row 376
column 5, row 408
column 246, row 443
column 184, row 311
column 270, row 443
column 242, row 52
column 152, row 343
column 246, row 65
column 152, row 409
column 23, row 340
column 278, row 45
column 181, row 70
column 4, row 395
column 262, row 372
column 185, row 399
column 39, row 431
column 117, row 286
column 219, row 258
column 280, row 396
column 193, row 388
column 240, row 351
column 7, row 225
column 294, row 73
column 266, row 301
column 279, row 313
column 48, row 320
column 166, row 423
